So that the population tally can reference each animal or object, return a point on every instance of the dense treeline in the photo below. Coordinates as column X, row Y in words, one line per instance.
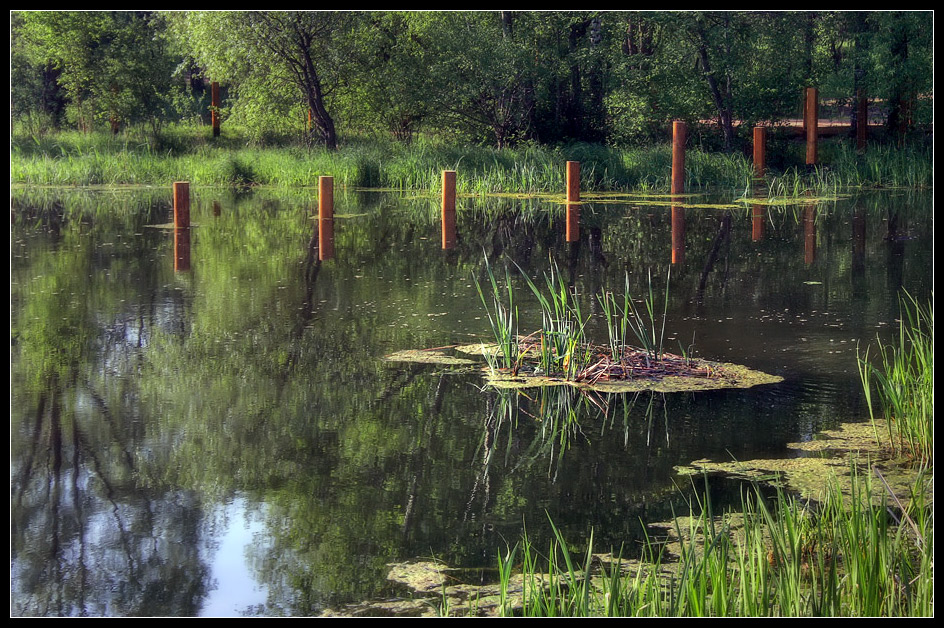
column 490, row 77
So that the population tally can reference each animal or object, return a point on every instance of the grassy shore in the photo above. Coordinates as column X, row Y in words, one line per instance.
column 188, row 153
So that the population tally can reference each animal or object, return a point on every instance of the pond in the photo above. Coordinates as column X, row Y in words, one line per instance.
column 203, row 423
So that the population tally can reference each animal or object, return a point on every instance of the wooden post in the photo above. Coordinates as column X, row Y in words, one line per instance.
column 678, row 157
column 573, row 201
column 862, row 120
column 325, row 217
column 181, row 205
column 215, row 107
column 448, row 209
column 812, row 124
column 760, row 151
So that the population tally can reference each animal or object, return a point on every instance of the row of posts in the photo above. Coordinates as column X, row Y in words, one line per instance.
column 326, row 220
column 572, row 231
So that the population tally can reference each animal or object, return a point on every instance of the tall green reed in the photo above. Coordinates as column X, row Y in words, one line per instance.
column 623, row 316
column 502, row 317
column 563, row 344
column 841, row 555
column 903, row 383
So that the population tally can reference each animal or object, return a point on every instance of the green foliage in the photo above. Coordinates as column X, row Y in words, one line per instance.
column 492, row 77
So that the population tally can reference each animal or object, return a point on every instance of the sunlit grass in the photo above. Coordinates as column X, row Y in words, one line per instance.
column 902, row 385
column 842, row 556
column 186, row 153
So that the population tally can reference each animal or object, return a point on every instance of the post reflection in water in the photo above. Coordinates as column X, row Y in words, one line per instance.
column 448, row 209
column 325, row 239
column 809, row 234
column 678, row 235
column 758, row 217
column 181, row 250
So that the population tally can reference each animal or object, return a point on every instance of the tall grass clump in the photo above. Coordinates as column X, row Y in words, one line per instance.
column 563, row 344
column 622, row 316
column 902, row 384
column 846, row 555
column 502, row 317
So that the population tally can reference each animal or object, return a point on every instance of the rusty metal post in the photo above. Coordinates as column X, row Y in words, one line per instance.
column 862, row 120
column 325, row 217
column 181, row 205
column 678, row 157
column 215, row 107
column 573, row 201
column 760, row 152
column 812, row 124
column 448, row 209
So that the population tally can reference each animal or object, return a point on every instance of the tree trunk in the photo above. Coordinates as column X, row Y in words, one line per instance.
column 722, row 100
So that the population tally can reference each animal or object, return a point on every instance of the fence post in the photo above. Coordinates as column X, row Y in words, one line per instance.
column 760, row 152
column 573, row 201
column 215, row 107
column 448, row 209
column 678, row 157
column 812, row 124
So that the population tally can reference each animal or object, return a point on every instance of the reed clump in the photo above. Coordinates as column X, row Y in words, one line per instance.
column 845, row 555
column 901, row 385
column 561, row 347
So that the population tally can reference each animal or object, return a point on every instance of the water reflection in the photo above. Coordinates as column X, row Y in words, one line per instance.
column 758, row 221
column 678, row 235
column 809, row 234
column 144, row 405
column 181, row 250
column 325, row 238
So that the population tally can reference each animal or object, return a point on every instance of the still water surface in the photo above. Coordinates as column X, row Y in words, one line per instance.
column 203, row 424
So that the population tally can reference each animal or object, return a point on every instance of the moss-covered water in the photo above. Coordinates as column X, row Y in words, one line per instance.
column 206, row 425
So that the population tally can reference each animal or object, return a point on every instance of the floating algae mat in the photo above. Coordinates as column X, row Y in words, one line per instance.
column 635, row 371
column 832, row 453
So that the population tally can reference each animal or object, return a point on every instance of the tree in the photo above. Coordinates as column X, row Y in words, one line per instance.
column 112, row 65
column 276, row 62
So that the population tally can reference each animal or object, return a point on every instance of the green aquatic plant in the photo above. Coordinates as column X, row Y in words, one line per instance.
column 502, row 317
column 903, row 384
column 842, row 555
column 562, row 341
column 622, row 317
